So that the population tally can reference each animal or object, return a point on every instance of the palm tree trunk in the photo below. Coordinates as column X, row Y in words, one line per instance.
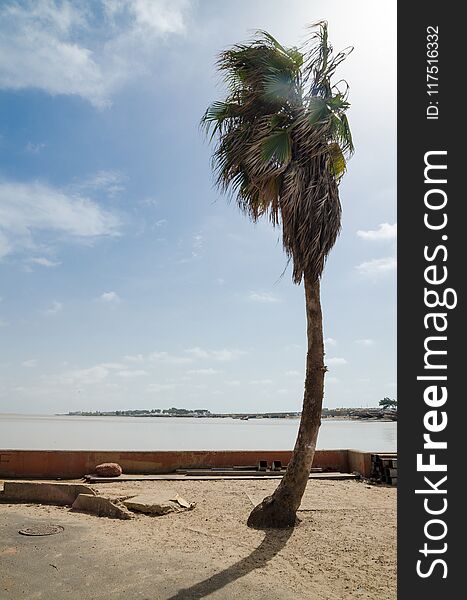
column 279, row 510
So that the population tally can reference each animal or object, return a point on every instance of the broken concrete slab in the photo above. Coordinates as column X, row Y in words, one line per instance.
column 100, row 506
column 158, row 504
column 60, row 494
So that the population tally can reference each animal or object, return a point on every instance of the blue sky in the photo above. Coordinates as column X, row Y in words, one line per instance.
column 126, row 280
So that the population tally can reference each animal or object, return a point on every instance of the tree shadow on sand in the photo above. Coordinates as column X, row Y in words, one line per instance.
column 273, row 542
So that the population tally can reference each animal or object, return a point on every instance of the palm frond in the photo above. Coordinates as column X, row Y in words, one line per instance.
column 283, row 140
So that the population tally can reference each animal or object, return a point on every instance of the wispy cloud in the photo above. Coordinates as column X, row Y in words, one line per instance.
column 44, row 262
column 29, row 209
column 160, row 387
column 377, row 266
column 129, row 374
column 197, row 245
column 41, row 44
column 110, row 182
column 384, row 232
column 110, row 298
column 224, row 355
column 365, row 342
column 54, row 308
column 94, row 375
column 89, row 376
column 34, row 148
column 330, row 342
column 32, row 362
column 335, row 360
column 265, row 297
column 209, row 371
column 134, row 358
column 165, row 357
column 160, row 357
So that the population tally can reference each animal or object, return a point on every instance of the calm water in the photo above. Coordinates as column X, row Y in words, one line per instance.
column 133, row 433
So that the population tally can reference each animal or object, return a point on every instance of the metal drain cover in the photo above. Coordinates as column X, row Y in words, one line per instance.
column 41, row 529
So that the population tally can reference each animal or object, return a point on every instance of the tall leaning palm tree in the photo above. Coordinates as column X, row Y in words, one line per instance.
column 282, row 141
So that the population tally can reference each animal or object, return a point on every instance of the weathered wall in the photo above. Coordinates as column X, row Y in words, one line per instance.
column 359, row 462
column 71, row 464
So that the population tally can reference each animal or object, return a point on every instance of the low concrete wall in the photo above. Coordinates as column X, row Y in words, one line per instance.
column 72, row 464
column 359, row 462
column 60, row 494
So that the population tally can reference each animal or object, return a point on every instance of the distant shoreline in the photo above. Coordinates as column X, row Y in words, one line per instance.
column 377, row 418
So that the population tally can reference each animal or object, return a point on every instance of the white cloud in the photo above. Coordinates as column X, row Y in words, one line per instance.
column 160, row 387
column 330, row 342
column 202, row 371
column 34, row 148
column 112, row 365
column 89, row 376
column 29, row 363
column 263, row 297
column 378, row 266
column 128, row 374
column 385, row 232
column 224, row 355
column 165, row 357
column 292, row 373
column 28, row 209
column 41, row 44
column 5, row 245
column 54, row 308
column 198, row 241
column 262, row 382
column 134, row 358
column 110, row 298
column 152, row 202
column 336, row 361
column 365, row 342
column 198, row 352
column 197, row 247
column 44, row 262
column 111, row 182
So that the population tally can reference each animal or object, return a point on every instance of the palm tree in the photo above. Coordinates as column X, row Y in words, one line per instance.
column 282, row 141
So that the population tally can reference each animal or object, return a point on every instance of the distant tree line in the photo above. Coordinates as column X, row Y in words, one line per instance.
column 154, row 411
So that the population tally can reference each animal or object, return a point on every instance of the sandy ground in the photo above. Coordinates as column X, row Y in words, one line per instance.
column 343, row 549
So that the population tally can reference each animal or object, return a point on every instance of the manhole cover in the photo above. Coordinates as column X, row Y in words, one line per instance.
column 41, row 530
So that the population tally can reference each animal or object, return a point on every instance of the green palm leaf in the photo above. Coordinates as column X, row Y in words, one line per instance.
column 283, row 139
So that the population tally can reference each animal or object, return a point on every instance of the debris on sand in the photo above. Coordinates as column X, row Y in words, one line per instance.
column 158, row 503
